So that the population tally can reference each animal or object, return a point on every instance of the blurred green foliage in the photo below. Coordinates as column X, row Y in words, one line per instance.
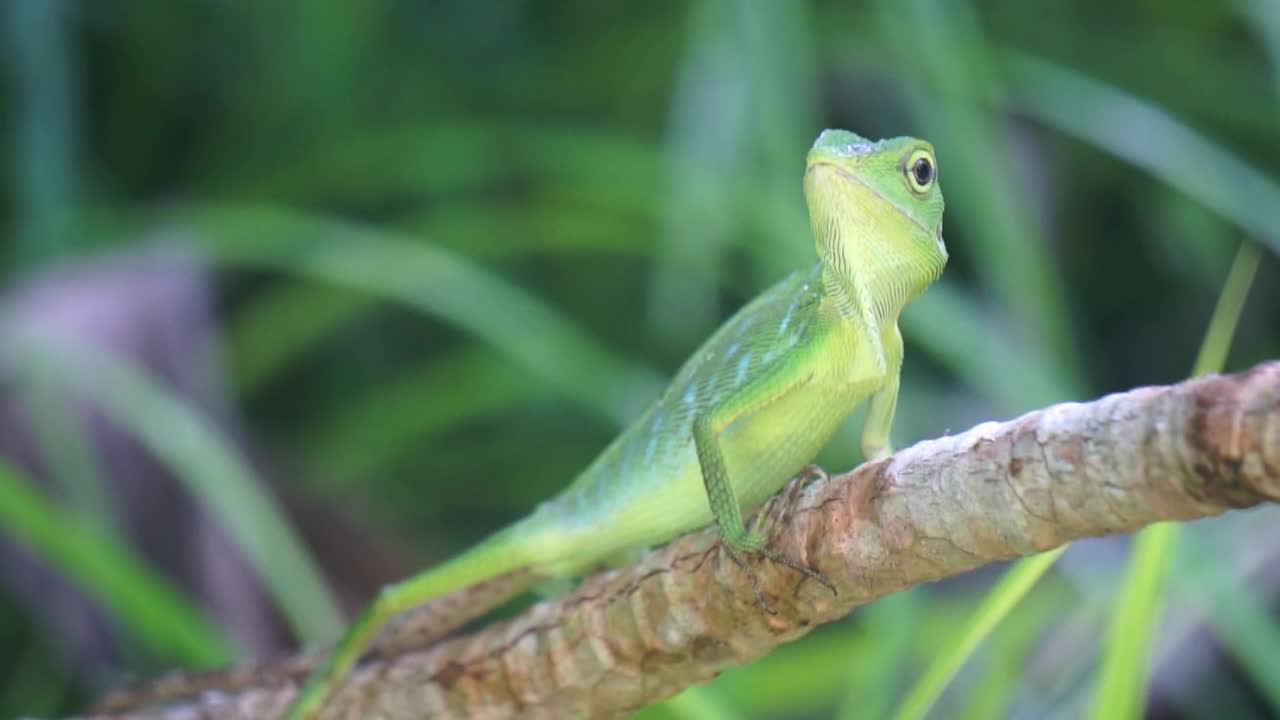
column 459, row 244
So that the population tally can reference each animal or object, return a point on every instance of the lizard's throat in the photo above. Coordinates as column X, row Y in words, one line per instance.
column 875, row 258
column 875, row 280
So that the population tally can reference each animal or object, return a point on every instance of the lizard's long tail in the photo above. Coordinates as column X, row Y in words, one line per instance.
column 416, row 629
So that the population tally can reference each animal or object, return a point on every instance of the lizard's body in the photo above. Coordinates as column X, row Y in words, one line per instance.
column 639, row 490
column 746, row 412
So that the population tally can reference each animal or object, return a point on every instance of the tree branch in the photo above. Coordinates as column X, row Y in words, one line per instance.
column 632, row 637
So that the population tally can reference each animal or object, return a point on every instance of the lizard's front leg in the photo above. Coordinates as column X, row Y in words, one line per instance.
column 735, row 537
column 880, row 408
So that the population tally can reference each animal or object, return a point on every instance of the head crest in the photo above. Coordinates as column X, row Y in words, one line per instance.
column 845, row 143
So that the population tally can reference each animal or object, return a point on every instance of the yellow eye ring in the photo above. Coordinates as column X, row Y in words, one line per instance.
column 921, row 171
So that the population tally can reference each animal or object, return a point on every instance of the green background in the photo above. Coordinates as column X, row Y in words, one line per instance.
column 454, row 246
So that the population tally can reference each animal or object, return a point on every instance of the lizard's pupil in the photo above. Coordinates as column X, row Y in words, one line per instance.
column 923, row 172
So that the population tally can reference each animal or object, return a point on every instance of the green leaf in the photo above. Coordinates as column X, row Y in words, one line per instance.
column 892, row 624
column 1104, row 117
column 205, row 462
column 947, row 322
column 146, row 605
column 441, row 283
column 1241, row 620
column 1212, row 357
column 393, row 417
column 948, row 68
column 1002, row 599
column 695, row 703
column 276, row 329
column 1122, row 686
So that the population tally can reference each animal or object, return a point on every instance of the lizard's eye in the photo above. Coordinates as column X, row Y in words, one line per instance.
column 920, row 171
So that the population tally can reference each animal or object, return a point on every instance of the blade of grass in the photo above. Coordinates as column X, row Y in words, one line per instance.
column 1125, row 660
column 438, row 282
column 696, row 703
column 873, row 686
column 273, row 331
column 742, row 113
column 205, row 463
column 66, row 451
column 1241, row 621
column 947, row 322
column 547, row 222
column 277, row 328
column 31, row 691
column 993, row 693
column 1212, row 357
column 805, row 679
column 1002, row 599
column 452, row 158
column 1040, row 91
column 375, row 429
column 147, row 606
column 45, row 133
column 1264, row 21
column 1147, row 137
column 706, row 133
column 1120, row 690
column 951, row 90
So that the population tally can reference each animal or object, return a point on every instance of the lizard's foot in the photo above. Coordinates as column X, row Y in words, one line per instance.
column 737, row 556
column 756, row 542
column 811, row 472
column 764, row 523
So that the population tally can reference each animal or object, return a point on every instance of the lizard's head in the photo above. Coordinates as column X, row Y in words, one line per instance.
column 876, row 209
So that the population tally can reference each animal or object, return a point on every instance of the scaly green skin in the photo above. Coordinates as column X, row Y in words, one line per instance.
column 748, row 410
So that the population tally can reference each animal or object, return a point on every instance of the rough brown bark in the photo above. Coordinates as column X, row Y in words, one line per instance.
column 632, row 637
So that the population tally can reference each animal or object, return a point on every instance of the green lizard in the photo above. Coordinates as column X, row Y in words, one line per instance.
column 746, row 412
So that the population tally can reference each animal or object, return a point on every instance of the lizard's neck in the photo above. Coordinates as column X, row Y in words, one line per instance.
column 869, row 291
column 873, row 260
